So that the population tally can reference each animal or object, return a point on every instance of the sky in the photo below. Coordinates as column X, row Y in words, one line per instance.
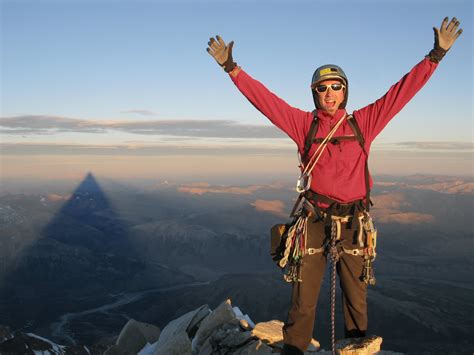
column 126, row 89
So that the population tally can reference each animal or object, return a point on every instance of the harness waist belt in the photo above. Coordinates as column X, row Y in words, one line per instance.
column 314, row 198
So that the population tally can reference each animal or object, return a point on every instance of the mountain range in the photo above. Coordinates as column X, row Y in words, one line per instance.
column 76, row 265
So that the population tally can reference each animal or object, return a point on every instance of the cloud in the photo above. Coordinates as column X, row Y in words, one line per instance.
column 58, row 198
column 272, row 206
column 199, row 184
column 448, row 185
column 140, row 112
column 137, row 149
column 406, row 218
column 437, row 145
column 201, row 188
column 32, row 124
column 453, row 187
column 395, row 201
column 392, row 208
column 47, row 124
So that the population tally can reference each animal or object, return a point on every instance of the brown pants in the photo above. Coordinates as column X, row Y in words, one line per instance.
column 298, row 329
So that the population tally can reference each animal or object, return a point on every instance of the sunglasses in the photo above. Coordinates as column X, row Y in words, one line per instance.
column 334, row 87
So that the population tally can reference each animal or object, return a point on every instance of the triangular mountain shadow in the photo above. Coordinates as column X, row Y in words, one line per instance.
column 97, row 225
column 78, row 261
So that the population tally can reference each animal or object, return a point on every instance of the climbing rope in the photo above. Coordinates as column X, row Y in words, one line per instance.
column 334, row 259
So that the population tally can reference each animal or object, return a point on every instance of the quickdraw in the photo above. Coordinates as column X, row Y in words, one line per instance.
column 295, row 249
column 370, row 252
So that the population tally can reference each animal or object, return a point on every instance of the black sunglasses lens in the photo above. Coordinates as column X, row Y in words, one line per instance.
column 321, row 88
column 336, row 87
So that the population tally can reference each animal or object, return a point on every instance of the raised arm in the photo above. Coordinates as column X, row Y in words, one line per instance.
column 374, row 117
column 294, row 122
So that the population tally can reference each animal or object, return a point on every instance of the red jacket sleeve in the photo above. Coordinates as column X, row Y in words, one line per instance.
column 374, row 117
column 292, row 121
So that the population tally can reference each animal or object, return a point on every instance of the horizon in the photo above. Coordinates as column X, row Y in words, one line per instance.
column 449, row 184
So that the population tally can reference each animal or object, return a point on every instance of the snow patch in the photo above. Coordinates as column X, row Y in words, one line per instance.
column 148, row 349
column 57, row 349
column 240, row 315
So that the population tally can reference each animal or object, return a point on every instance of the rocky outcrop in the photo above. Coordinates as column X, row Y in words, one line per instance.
column 176, row 336
column 27, row 343
column 369, row 345
column 359, row 346
column 133, row 337
column 225, row 330
column 5, row 333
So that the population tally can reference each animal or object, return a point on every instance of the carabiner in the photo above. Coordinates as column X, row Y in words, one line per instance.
column 303, row 184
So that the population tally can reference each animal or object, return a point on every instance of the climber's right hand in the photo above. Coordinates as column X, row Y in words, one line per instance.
column 222, row 53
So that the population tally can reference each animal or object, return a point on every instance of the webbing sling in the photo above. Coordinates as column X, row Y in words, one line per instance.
column 313, row 129
column 311, row 139
column 360, row 138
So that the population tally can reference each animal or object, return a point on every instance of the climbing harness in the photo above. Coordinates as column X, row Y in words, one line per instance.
column 289, row 240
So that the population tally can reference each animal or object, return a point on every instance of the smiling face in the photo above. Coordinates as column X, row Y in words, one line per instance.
column 330, row 100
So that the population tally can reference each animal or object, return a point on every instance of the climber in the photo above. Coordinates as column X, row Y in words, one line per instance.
column 340, row 183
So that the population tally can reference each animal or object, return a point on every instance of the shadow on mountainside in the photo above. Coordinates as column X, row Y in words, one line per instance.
column 78, row 260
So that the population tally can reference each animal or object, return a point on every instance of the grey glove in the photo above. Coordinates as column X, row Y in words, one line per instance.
column 444, row 38
column 222, row 53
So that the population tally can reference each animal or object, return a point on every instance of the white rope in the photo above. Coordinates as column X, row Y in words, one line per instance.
column 319, row 151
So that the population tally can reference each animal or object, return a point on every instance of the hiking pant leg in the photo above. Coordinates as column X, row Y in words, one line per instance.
column 354, row 295
column 298, row 328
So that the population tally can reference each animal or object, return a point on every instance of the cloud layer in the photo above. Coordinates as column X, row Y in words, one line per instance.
column 32, row 124
column 438, row 145
column 450, row 185
column 407, row 218
column 272, row 206
column 202, row 188
column 140, row 112
column 169, row 149
column 395, row 207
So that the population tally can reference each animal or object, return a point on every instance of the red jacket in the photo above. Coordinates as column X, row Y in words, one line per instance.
column 339, row 173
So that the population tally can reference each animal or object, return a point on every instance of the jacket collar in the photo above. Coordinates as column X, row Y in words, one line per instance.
column 326, row 117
